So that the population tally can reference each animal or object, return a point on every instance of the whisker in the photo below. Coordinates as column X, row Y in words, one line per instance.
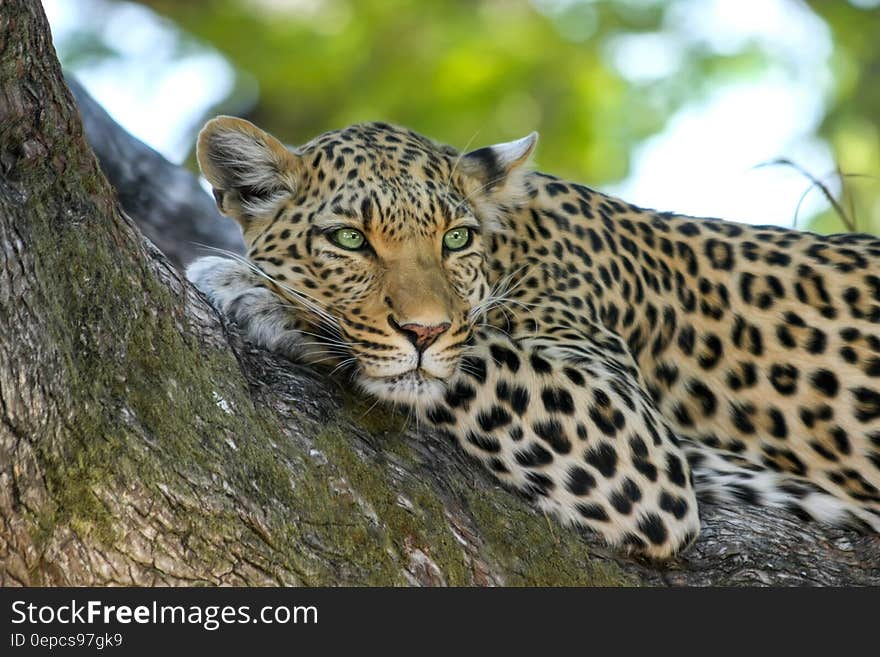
column 461, row 154
column 344, row 363
column 330, row 357
column 372, row 406
column 307, row 301
column 473, row 193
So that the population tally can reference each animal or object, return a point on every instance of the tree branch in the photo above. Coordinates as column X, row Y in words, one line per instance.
column 166, row 201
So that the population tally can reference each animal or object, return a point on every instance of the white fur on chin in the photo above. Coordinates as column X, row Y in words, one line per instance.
column 411, row 388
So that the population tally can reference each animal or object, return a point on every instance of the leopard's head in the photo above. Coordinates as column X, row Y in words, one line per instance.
column 376, row 237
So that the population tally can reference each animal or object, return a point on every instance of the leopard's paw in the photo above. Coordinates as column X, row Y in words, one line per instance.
column 242, row 295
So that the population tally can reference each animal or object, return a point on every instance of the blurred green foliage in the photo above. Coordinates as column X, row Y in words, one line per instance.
column 852, row 121
column 459, row 71
column 472, row 72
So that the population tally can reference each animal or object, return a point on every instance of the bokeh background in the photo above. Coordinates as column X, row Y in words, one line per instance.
column 743, row 109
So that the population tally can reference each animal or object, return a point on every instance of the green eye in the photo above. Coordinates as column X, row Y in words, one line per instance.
column 348, row 238
column 457, row 238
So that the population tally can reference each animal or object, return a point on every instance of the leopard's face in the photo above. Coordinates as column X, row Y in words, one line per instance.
column 374, row 239
column 394, row 282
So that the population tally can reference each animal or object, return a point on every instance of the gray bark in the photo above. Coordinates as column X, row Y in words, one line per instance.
column 166, row 202
column 143, row 442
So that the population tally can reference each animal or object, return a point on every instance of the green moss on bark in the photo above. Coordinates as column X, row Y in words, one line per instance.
column 378, row 419
column 534, row 549
column 147, row 403
column 409, row 515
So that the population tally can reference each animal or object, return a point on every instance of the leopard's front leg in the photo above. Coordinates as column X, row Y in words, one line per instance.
column 564, row 421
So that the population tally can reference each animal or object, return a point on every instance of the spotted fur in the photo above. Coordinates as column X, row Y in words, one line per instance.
column 611, row 362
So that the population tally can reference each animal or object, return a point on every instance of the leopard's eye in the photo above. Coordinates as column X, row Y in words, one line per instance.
column 457, row 238
column 348, row 238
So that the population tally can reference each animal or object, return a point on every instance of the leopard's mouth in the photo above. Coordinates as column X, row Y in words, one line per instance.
column 416, row 375
column 414, row 386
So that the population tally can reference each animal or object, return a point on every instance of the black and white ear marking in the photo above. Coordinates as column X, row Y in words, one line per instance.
column 495, row 180
column 250, row 170
column 492, row 164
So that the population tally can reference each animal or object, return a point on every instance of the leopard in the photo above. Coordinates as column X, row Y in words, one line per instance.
column 619, row 366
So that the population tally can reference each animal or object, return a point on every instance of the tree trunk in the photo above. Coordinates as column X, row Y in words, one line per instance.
column 142, row 442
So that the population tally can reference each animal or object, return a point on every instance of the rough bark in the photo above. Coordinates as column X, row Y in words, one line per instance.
column 142, row 442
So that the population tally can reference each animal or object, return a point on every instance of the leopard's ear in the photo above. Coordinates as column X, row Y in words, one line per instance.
column 493, row 164
column 496, row 176
column 251, row 171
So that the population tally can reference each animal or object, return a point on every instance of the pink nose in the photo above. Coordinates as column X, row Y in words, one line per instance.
column 420, row 335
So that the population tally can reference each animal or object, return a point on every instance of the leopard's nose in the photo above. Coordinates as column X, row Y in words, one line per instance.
column 421, row 335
